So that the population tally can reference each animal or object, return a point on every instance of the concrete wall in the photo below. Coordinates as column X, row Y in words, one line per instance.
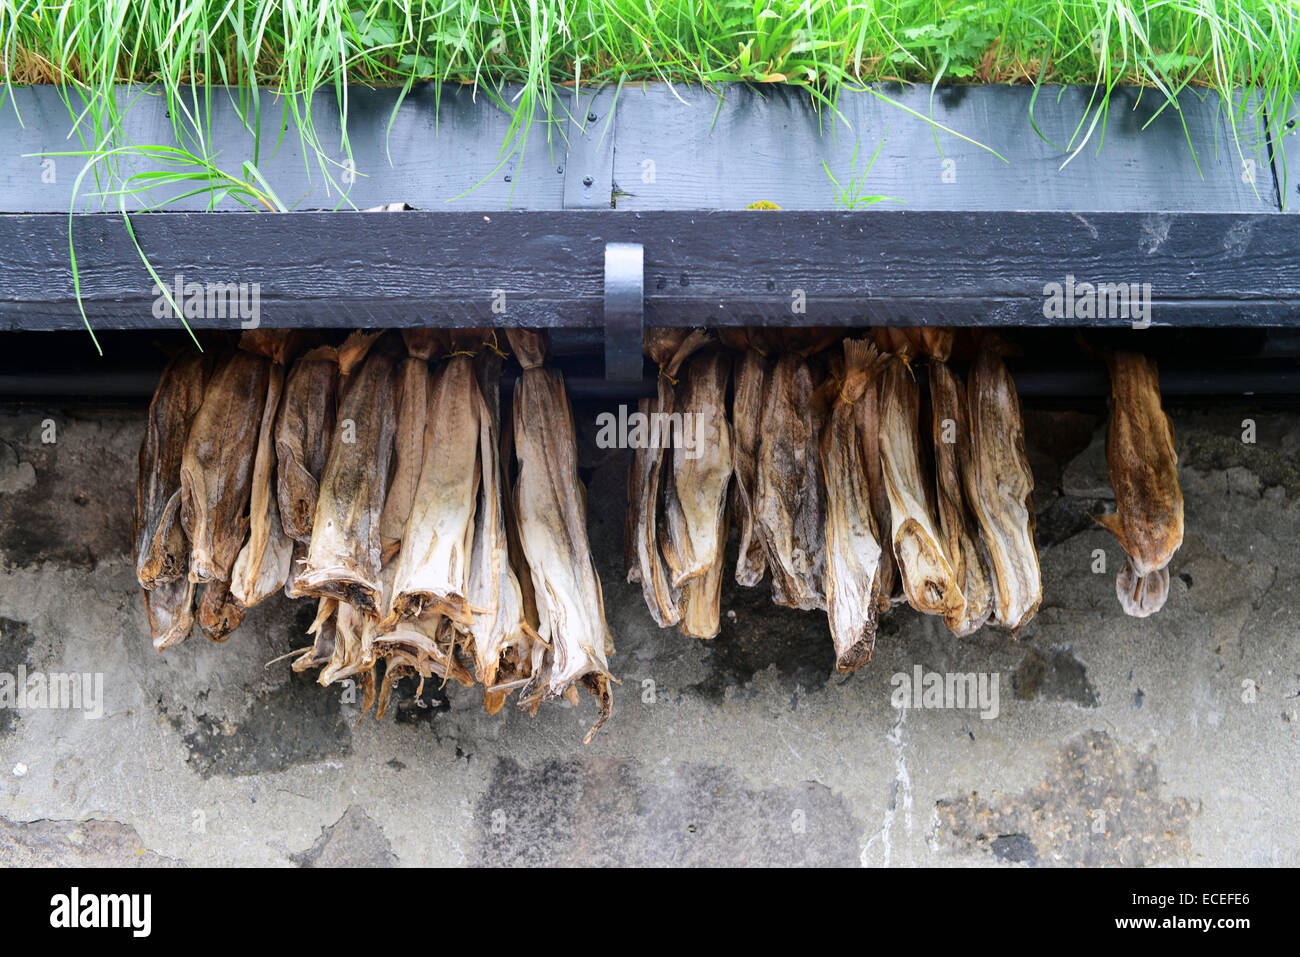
column 1174, row 739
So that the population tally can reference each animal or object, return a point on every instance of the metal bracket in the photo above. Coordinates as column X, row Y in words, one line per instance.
column 624, row 310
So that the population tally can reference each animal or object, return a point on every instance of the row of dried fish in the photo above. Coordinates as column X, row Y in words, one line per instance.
column 851, row 501
column 376, row 478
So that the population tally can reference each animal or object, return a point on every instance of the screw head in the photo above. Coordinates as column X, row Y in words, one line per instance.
column 587, row 181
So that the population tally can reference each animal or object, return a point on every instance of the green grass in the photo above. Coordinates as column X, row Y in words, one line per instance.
column 188, row 47
column 191, row 48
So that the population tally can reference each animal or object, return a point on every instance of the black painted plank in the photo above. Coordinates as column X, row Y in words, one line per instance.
column 676, row 149
column 767, row 144
column 440, row 153
column 854, row 268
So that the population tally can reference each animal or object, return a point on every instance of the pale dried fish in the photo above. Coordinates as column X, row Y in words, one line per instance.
column 952, row 454
column 498, row 632
column 918, row 545
column 303, row 430
column 853, row 549
column 344, row 558
column 409, row 445
column 551, row 511
column 1000, row 487
column 669, row 348
column 170, row 609
column 324, row 630
column 750, row 390
column 695, row 492
column 433, row 564
column 217, row 465
column 1143, row 464
column 868, row 415
column 789, row 510
column 263, row 564
column 161, row 548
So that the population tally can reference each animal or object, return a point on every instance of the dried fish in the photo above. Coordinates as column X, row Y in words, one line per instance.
column 409, row 446
column 669, row 348
column 551, row 510
column 918, row 545
column 952, row 454
column 303, row 430
column 161, row 549
column 433, row 565
column 345, row 556
column 695, row 493
column 219, row 613
column 217, row 465
column 263, row 564
column 325, row 631
column 1143, row 464
column 1000, row 487
column 789, row 509
column 499, row 633
column 852, row 540
column 750, row 390
column 868, row 414
column 170, row 609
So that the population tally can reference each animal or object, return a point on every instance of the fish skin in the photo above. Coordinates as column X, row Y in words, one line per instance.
column 1000, row 487
column 853, row 550
column 304, row 428
column 219, row 613
column 433, row 564
column 344, row 558
column 263, row 564
column 170, row 610
column 161, row 552
column 551, row 513
column 961, row 537
column 751, row 376
column 1143, row 465
column 499, row 633
column 868, row 414
column 918, row 545
column 409, row 446
column 217, row 466
column 696, row 493
column 789, row 499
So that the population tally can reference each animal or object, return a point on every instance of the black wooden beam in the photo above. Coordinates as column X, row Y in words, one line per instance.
column 547, row 268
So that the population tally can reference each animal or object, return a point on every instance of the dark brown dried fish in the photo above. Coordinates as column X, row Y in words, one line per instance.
column 918, row 545
column 1143, row 464
column 217, row 466
column 551, row 510
column 952, row 454
column 161, row 549
column 747, row 423
column 303, row 430
column 345, row 555
column 789, row 503
column 1000, row 487
column 219, row 613
column 853, row 549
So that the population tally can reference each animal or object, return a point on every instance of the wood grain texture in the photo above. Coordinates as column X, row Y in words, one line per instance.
column 858, row 268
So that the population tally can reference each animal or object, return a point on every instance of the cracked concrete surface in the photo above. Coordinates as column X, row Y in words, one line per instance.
column 1169, row 740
